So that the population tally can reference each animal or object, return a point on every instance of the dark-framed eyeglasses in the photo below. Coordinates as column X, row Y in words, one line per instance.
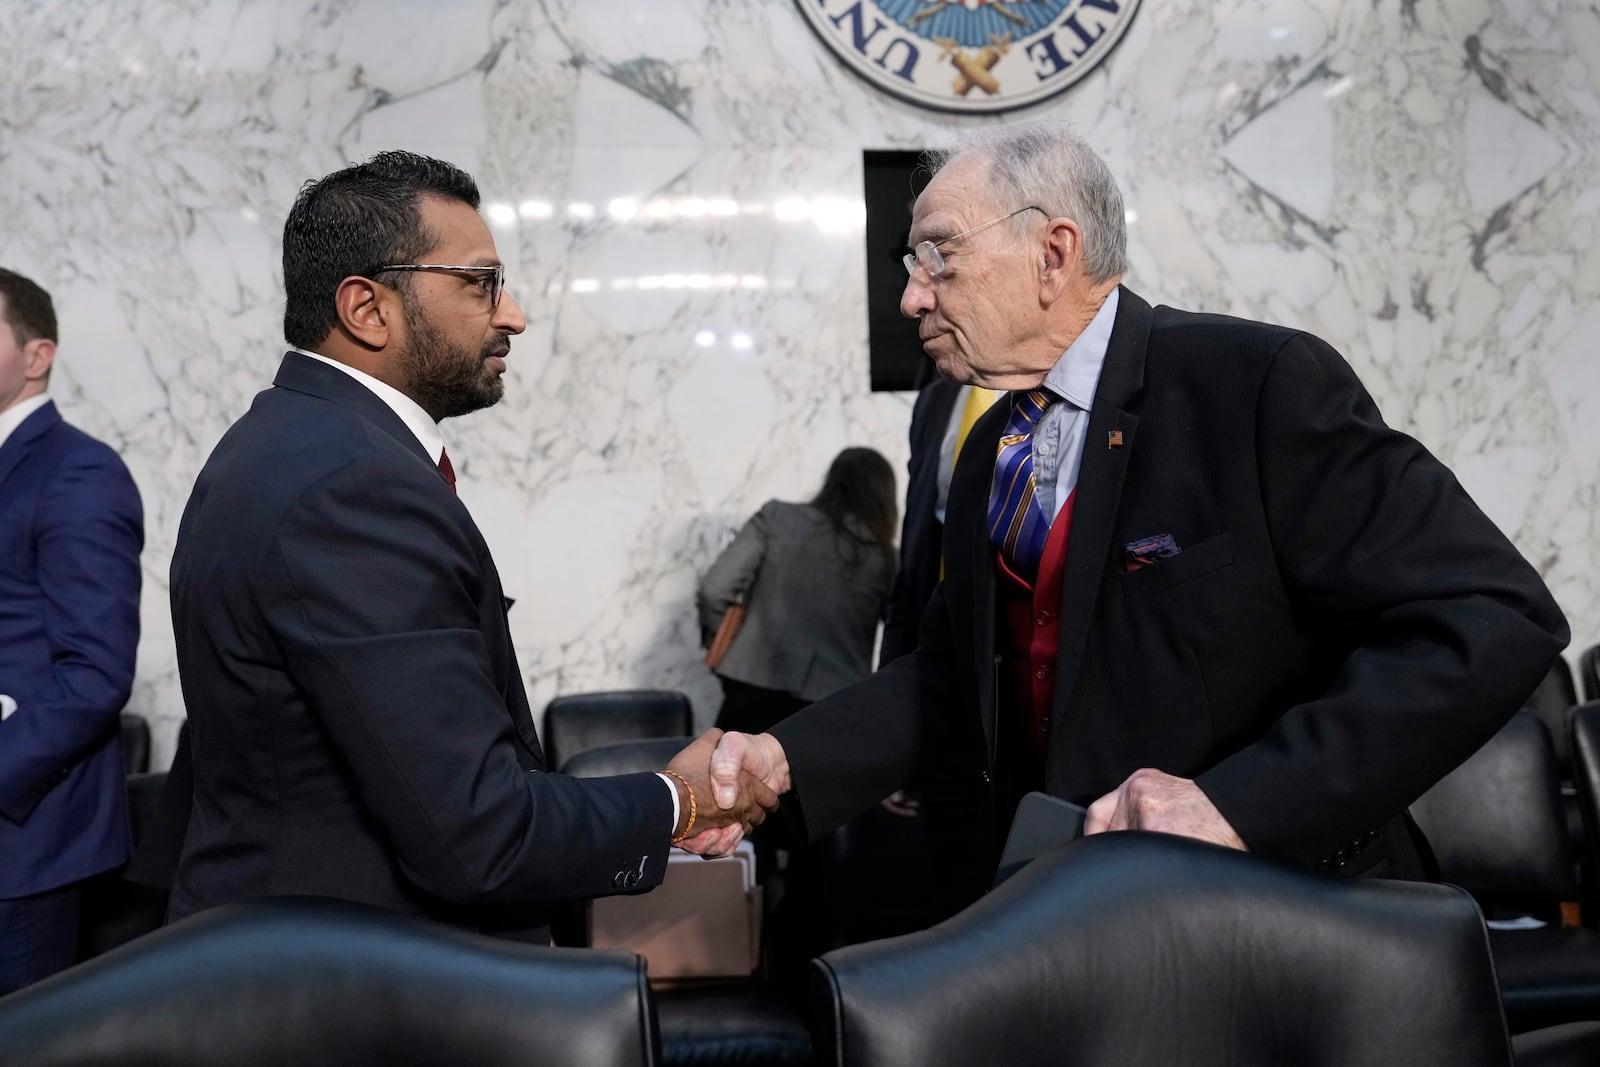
column 927, row 255
column 495, row 276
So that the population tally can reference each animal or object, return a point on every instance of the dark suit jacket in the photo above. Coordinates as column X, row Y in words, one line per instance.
column 71, row 529
column 921, row 532
column 1342, row 627
column 357, row 719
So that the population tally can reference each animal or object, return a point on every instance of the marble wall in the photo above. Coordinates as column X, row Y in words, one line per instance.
column 676, row 187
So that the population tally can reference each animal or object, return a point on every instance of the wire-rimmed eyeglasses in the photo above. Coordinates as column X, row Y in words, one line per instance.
column 495, row 275
column 929, row 258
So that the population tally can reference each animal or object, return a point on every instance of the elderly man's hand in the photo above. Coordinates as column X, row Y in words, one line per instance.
column 748, row 798
column 1154, row 800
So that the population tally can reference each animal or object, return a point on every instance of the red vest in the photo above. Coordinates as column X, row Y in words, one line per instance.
column 1030, row 631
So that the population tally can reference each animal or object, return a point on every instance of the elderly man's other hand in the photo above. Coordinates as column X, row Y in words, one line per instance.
column 1154, row 800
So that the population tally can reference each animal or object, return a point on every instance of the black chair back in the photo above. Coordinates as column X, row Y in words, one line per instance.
column 1551, row 703
column 1589, row 672
column 581, row 721
column 163, row 822
column 1584, row 729
column 135, row 743
column 1133, row 948
column 113, row 910
column 1496, row 826
column 1498, row 830
column 624, row 757
column 320, row 982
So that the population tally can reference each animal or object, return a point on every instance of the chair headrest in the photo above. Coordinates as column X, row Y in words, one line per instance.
column 1147, row 948
column 323, row 982
column 625, row 757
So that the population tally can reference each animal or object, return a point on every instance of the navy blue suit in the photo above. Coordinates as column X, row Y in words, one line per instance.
column 357, row 719
column 71, row 529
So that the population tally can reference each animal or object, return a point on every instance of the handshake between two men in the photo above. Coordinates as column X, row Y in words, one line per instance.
column 744, row 774
column 719, row 799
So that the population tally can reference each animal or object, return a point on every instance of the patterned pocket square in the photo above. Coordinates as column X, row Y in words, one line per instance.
column 1136, row 555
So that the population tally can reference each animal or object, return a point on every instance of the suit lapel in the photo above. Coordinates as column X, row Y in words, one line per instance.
column 969, row 559
column 1099, row 491
column 23, row 438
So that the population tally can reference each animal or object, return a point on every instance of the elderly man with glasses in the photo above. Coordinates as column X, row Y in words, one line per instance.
column 358, row 723
column 1192, row 581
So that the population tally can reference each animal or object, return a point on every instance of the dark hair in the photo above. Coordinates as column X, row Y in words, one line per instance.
column 352, row 222
column 858, row 496
column 28, row 309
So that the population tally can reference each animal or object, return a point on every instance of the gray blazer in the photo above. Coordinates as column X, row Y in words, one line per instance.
column 813, row 600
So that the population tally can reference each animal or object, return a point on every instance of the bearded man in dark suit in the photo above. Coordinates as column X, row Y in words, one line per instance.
column 1191, row 579
column 357, row 720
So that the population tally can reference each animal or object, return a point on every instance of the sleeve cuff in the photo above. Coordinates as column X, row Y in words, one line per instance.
column 672, row 788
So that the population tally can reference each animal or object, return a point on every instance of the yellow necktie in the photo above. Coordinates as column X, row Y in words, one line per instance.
column 979, row 400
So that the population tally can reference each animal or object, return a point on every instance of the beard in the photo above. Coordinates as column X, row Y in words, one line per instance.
column 448, row 379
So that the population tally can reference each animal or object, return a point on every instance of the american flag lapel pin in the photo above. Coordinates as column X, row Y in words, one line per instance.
column 1114, row 439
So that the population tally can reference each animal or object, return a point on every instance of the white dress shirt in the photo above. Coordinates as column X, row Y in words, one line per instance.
column 1058, row 439
column 15, row 415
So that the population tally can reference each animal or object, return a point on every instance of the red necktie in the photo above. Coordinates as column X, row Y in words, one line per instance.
column 446, row 469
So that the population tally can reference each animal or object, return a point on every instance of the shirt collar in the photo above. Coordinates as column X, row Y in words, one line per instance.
column 1077, row 372
column 16, row 415
column 419, row 422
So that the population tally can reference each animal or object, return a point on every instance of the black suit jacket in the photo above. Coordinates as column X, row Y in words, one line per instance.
column 357, row 719
column 921, row 532
column 1342, row 627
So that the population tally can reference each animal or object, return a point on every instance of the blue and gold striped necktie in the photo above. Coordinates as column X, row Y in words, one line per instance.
column 1017, row 525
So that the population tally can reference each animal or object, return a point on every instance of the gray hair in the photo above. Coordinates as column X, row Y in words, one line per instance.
column 1047, row 165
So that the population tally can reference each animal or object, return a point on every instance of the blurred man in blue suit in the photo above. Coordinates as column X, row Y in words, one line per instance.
column 71, row 529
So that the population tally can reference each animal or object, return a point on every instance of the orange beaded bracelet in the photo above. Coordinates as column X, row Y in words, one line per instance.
column 693, row 811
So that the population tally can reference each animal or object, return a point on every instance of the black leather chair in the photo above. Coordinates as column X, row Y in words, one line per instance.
column 1134, row 948
column 1584, row 732
column 710, row 1022
column 320, row 982
column 135, row 743
column 1552, row 703
column 1497, row 830
column 113, row 910
column 1589, row 672
column 624, row 757
column 581, row 721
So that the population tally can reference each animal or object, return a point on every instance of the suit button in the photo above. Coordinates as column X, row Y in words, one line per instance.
column 985, row 776
column 1041, row 672
column 1042, row 619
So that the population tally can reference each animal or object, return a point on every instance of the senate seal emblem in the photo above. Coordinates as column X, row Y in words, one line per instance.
column 971, row 55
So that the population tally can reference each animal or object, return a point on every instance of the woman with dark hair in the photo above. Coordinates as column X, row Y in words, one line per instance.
column 814, row 579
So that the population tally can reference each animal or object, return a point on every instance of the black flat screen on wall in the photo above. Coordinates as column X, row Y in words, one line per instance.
column 892, row 181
